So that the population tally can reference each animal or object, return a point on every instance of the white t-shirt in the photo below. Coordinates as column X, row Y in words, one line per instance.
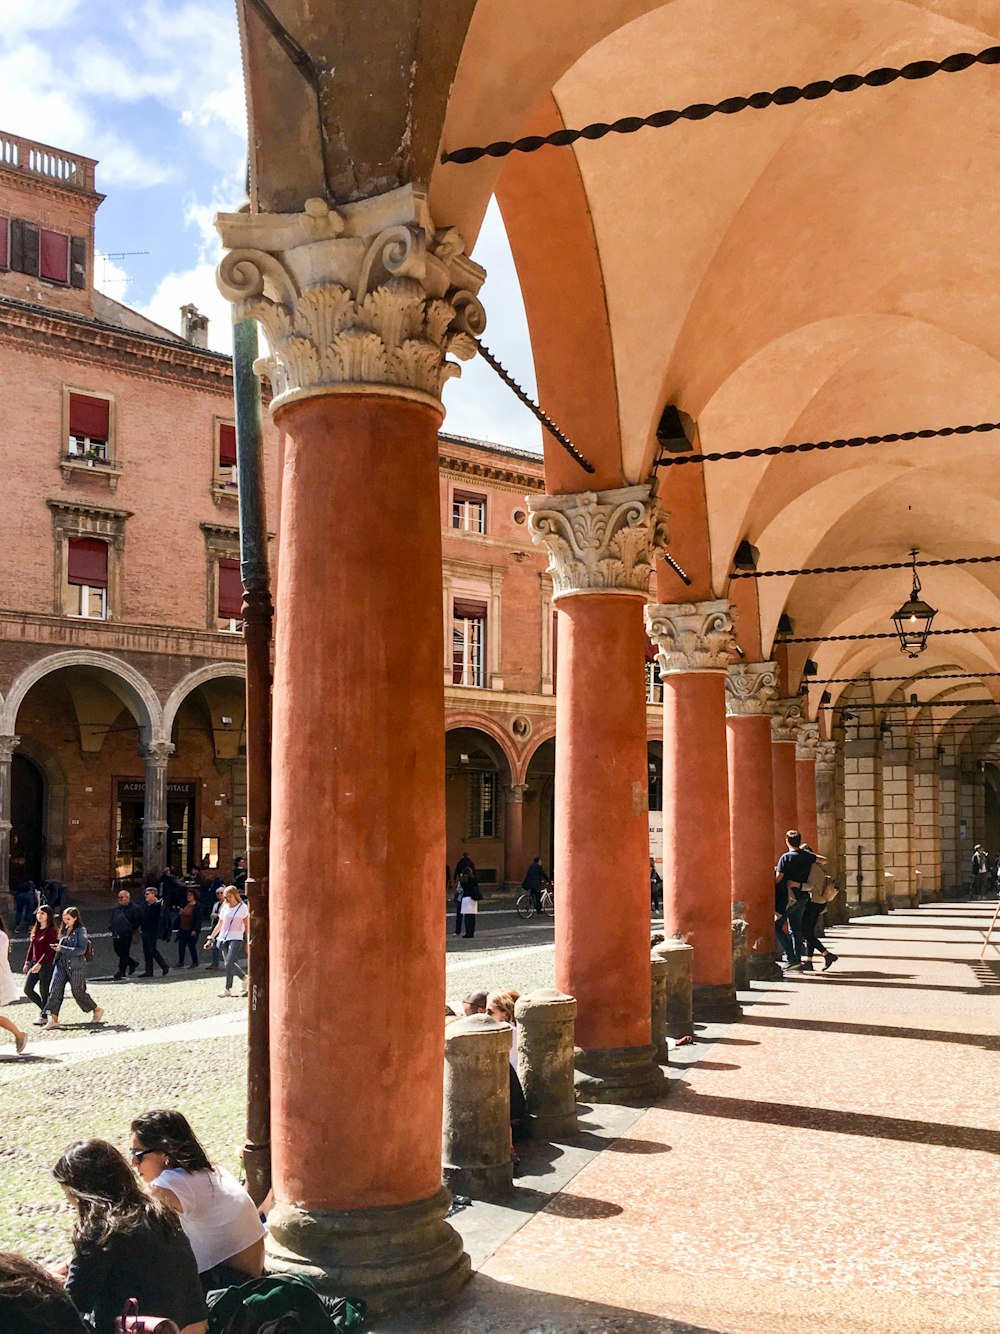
column 218, row 1216
column 231, row 921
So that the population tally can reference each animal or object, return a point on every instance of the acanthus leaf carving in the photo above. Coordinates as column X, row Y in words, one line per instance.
column 692, row 636
column 751, row 689
column 599, row 541
column 787, row 718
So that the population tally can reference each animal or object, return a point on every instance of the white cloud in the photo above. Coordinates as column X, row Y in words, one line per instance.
column 21, row 16
column 195, row 286
column 110, row 278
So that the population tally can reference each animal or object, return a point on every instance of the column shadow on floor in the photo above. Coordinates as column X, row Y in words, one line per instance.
column 873, row 980
column 839, row 1122
column 987, row 1041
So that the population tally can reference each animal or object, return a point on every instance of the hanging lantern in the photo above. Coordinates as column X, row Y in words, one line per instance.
column 914, row 618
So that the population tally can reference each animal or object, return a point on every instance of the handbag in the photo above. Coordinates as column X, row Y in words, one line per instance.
column 131, row 1322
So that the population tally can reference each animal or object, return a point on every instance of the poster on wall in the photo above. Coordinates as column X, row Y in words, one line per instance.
column 656, row 839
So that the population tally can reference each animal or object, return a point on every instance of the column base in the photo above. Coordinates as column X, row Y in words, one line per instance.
column 493, row 1182
column 764, row 966
column 716, row 1005
column 395, row 1258
column 552, row 1127
column 625, row 1075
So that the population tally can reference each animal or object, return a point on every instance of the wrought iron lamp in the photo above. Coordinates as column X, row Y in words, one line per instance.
column 914, row 618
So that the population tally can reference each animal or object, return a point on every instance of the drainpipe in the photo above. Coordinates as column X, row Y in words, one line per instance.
column 257, row 617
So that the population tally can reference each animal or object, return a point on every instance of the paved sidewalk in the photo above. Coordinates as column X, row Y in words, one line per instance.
column 828, row 1163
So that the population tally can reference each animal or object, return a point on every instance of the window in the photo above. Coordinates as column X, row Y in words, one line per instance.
column 468, row 512
column 468, row 643
column 654, row 682
column 53, row 256
column 483, row 805
column 230, row 601
column 89, row 428
column 87, row 576
column 4, row 243
column 45, row 254
column 225, row 456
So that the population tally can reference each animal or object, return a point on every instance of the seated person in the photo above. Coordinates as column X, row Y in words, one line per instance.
column 33, row 1302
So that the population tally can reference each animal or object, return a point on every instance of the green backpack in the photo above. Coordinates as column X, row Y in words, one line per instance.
column 281, row 1304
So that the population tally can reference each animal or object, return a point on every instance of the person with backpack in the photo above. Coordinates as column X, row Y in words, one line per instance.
column 802, row 914
column 73, row 952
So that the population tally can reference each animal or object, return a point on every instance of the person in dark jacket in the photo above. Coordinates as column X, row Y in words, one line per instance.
column 189, row 929
column 125, row 1244
column 122, row 923
column 535, row 880
column 155, row 918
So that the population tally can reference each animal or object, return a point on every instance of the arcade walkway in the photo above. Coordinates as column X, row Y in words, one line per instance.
column 829, row 1163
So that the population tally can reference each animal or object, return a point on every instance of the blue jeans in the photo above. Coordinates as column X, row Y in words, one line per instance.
column 234, row 951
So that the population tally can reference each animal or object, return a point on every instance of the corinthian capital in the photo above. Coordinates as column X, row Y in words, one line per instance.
column 157, row 753
column 8, row 744
column 751, row 688
column 692, row 636
column 367, row 296
column 826, row 757
column 599, row 541
column 807, row 741
column 788, row 717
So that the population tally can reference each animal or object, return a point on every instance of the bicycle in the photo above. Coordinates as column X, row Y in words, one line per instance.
column 526, row 907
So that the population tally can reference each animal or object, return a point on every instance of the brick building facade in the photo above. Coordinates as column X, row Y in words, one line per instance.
column 121, row 700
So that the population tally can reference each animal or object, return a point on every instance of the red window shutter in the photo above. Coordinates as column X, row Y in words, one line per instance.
column 89, row 416
column 88, row 561
column 54, row 256
column 230, row 589
column 465, row 610
column 227, row 446
column 649, row 647
column 78, row 261
column 4, row 243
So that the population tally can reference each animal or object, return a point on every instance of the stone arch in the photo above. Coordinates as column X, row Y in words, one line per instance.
column 54, row 816
column 213, row 671
column 544, row 731
column 478, row 722
column 130, row 686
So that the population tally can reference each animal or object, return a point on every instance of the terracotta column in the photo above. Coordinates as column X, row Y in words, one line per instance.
column 750, row 690
column 513, row 835
column 784, row 731
column 8, row 744
column 154, row 811
column 360, row 306
column 695, row 644
column 601, row 548
column 805, row 783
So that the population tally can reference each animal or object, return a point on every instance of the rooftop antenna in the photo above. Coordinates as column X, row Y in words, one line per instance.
column 117, row 254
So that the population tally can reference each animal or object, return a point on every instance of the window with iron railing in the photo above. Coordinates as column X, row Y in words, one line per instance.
column 484, row 797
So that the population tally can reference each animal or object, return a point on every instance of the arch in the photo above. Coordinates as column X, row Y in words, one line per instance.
column 56, row 804
column 213, row 671
column 478, row 722
column 545, row 731
column 119, row 676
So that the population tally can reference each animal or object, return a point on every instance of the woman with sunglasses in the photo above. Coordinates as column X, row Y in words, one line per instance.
column 8, row 992
column 71, row 967
column 125, row 1244
column 219, row 1217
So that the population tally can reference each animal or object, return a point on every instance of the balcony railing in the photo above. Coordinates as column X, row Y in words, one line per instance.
column 51, row 164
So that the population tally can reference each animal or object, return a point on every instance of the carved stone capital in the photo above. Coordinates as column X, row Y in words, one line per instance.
column 787, row 718
column 599, row 541
column 807, row 741
column 157, row 753
column 369, row 297
column 826, row 757
column 751, row 688
column 8, row 744
column 692, row 636
column 514, row 793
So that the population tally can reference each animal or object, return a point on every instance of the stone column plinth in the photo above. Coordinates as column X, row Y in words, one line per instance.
column 863, row 826
column 546, row 1020
column 695, row 642
column 475, row 1147
column 154, row 812
column 680, row 1008
column 805, row 784
column 658, row 1006
column 362, row 305
column 750, row 691
column 8, row 744
column 601, row 549
column 513, row 835
column 785, row 724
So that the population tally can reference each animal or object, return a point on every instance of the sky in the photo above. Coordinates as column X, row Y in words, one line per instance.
column 153, row 89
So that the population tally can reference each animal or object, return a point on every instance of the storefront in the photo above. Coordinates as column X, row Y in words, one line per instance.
column 181, row 826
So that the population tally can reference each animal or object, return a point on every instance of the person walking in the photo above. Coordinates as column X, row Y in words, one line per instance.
column 9, row 991
column 535, row 880
column 980, row 872
column 155, row 919
column 655, row 887
column 122, row 923
column 71, row 967
column 25, row 901
column 801, row 914
column 189, row 929
column 469, row 907
column 40, row 960
column 231, row 930
column 217, row 907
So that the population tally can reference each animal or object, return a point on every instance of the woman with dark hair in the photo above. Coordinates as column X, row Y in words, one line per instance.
column 71, row 967
column 125, row 1245
column 32, row 1302
column 219, row 1217
column 188, row 929
column 8, row 992
column 40, row 959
